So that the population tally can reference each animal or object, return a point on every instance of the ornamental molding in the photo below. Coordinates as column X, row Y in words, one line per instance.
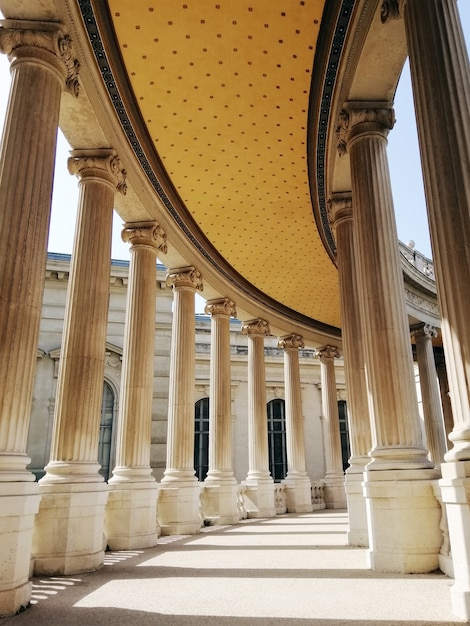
column 327, row 352
column 290, row 342
column 256, row 327
column 145, row 234
column 379, row 117
column 340, row 209
column 220, row 306
column 95, row 163
column 185, row 277
column 391, row 10
column 422, row 304
column 48, row 36
column 423, row 330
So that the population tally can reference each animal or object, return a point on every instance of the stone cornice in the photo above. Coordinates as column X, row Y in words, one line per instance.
column 96, row 164
column 221, row 306
column 145, row 234
column 18, row 37
column 185, row 277
column 256, row 327
column 291, row 342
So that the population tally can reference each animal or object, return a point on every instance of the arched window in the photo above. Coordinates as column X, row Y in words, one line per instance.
column 277, row 439
column 201, row 438
column 344, row 433
column 106, row 430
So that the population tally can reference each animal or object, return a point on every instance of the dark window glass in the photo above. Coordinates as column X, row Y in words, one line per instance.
column 106, row 430
column 344, row 433
column 277, row 439
column 201, row 438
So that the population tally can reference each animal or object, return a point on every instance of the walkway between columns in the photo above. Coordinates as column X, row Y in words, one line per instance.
column 288, row 570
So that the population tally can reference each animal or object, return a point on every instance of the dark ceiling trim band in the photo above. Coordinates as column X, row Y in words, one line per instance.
column 94, row 36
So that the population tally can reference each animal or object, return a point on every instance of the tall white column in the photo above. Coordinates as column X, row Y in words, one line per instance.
column 68, row 536
column 430, row 393
column 178, row 503
column 42, row 66
column 220, row 486
column 297, row 483
column 335, row 496
column 259, row 482
column 402, row 537
column 131, row 520
column 341, row 218
column 440, row 75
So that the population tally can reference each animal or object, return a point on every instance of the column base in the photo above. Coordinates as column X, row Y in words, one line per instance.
column 220, row 502
column 68, row 535
column 334, row 493
column 455, row 491
column 131, row 515
column 403, row 519
column 259, row 497
column 358, row 534
column 179, row 508
column 19, row 503
column 298, row 490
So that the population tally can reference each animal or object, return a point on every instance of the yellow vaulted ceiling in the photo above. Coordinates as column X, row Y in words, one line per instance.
column 223, row 89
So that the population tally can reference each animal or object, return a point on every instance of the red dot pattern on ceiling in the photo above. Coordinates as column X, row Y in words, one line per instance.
column 223, row 89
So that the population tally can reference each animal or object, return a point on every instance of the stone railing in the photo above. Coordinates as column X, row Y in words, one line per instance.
column 418, row 260
column 318, row 500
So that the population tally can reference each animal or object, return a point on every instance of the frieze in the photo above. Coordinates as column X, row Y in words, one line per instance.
column 421, row 303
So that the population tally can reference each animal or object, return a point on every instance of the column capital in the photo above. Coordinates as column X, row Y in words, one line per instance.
column 339, row 209
column 391, row 10
column 423, row 330
column 256, row 327
column 185, row 277
column 363, row 118
column 327, row 352
column 24, row 38
column 290, row 342
column 145, row 234
column 99, row 164
column 220, row 306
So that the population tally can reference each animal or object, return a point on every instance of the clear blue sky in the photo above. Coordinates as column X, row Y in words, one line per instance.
column 403, row 153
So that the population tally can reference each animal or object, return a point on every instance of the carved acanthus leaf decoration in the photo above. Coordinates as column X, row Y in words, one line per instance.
column 185, row 277
column 290, row 342
column 145, row 233
column 109, row 164
column 256, row 327
column 327, row 352
column 221, row 306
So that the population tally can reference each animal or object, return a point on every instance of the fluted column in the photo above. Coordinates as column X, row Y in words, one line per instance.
column 178, row 507
column 131, row 508
column 42, row 66
column 341, row 219
column 432, row 408
column 259, row 482
column 73, row 493
column 220, row 486
column 335, row 496
column 440, row 76
column 399, row 471
column 297, row 483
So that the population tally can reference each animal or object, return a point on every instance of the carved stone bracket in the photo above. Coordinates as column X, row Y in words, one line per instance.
column 289, row 342
column 94, row 163
column 145, row 234
column 221, row 306
column 327, row 352
column 363, row 117
column 185, row 277
column 18, row 37
column 256, row 327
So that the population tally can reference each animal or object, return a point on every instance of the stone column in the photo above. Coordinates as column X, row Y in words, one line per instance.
column 42, row 66
column 259, row 482
column 341, row 219
column 335, row 496
column 432, row 408
column 178, row 504
column 402, row 537
column 131, row 519
column 68, row 537
column 440, row 75
column 297, row 483
column 220, row 486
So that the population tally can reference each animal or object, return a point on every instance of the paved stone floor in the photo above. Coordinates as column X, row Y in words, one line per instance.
column 293, row 569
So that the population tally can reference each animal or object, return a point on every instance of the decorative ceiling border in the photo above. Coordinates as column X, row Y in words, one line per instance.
column 91, row 26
